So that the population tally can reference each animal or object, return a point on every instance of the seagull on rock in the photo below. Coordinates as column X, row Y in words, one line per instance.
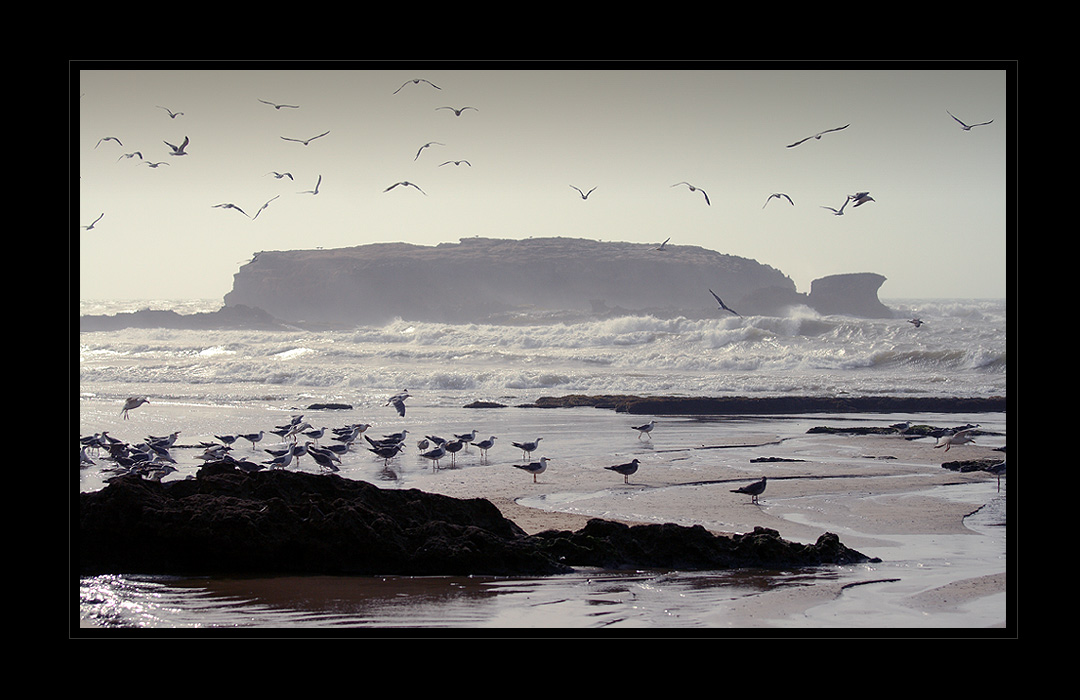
column 534, row 468
column 753, row 490
column 625, row 469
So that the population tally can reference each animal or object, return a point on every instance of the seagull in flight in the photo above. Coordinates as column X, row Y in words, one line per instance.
column 108, row 138
column 967, row 127
column 314, row 191
column 307, row 141
column 456, row 162
column 406, row 183
column 278, row 176
column 916, row 322
column 457, row 112
column 95, row 221
column 861, row 198
column 777, row 195
column 840, row 211
column 177, row 151
column 277, row 106
column 694, row 189
column 663, row 246
column 264, row 207
column 172, row 114
column 584, row 195
column 154, row 165
column 724, row 306
column 130, row 155
column 417, row 81
column 817, row 135
column 229, row 205
column 429, row 143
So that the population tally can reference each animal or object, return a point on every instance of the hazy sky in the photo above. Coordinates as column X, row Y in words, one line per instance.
column 939, row 225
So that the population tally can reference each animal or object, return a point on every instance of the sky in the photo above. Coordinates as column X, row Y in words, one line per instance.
column 939, row 226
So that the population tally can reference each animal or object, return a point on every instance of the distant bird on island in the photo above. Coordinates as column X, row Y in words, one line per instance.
column 133, row 402
column 427, row 145
column 278, row 176
column 644, row 430
column 663, row 246
column 840, row 211
column 534, row 468
column 777, row 195
column 584, row 195
column 527, row 448
column 306, row 141
column 625, row 469
column 457, row 112
column 404, row 183
column 694, row 189
column 264, row 207
column 817, row 135
column 277, row 106
column 417, row 81
column 94, row 222
column 967, row 127
column 724, row 306
column 229, row 205
column 108, row 138
column 456, row 162
column 860, row 198
column 314, row 191
column 177, row 150
column 172, row 114
column 753, row 490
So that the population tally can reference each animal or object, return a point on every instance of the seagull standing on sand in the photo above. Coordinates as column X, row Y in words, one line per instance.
column 457, row 112
column 435, row 455
column 967, row 127
column 694, row 189
column 534, row 468
column 527, row 448
column 253, row 438
column 177, row 150
column 417, row 81
column 997, row 470
column 818, row 135
column 485, row 445
column 645, row 429
column 753, row 490
column 306, row 141
column 777, row 195
column 404, row 183
column 724, row 306
column 133, row 402
column 584, row 195
column 625, row 469
column 95, row 221
column 314, row 191
column 277, row 106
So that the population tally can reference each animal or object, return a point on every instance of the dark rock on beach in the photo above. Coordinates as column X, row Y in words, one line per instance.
column 277, row 521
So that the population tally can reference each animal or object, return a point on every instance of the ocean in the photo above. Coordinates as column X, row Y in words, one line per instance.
column 207, row 383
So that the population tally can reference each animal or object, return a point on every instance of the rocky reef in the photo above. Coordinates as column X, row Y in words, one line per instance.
column 277, row 521
column 768, row 405
column 491, row 280
column 236, row 317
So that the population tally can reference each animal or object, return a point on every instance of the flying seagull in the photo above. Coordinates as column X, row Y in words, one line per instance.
column 429, row 143
column 840, row 211
column 584, row 195
column 172, row 114
column 861, row 198
column 753, row 490
column 818, row 135
column 277, row 106
column 724, row 306
column 229, row 205
column 131, row 403
column 916, row 322
column 456, row 162
column 154, row 165
column 663, row 246
column 177, row 151
column 694, row 189
column 777, row 195
column 457, row 112
column 95, row 221
column 264, row 207
column 417, row 81
column 398, row 402
column 958, row 438
column 967, row 127
column 130, row 155
column 314, row 191
column 404, row 182
column 278, row 176
column 625, row 469
column 306, row 141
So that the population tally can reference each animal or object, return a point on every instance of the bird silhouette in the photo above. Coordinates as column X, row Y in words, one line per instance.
column 177, row 150
column 264, row 207
column 314, row 191
column 916, row 322
column 278, row 176
column 94, row 222
column 130, row 155
column 426, row 145
column 584, row 195
column 777, row 195
column 694, row 189
column 817, row 135
column 625, row 469
column 723, row 306
column 172, row 114
column 132, row 403
column 967, row 127
column 108, row 138
column 229, row 205
column 417, row 81
column 457, row 112
column 154, row 165
column 753, row 490
column 534, row 468
column 306, row 141
column 860, row 198
column 663, row 246
column 405, row 183
column 277, row 106
column 644, row 430
column 840, row 211
column 456, row 162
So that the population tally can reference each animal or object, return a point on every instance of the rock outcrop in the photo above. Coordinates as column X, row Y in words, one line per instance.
column 236, row 317
column 277, row 521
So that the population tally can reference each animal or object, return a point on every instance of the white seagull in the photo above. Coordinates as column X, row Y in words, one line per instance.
column 172, row 114
column 177, row 151
column 108, row 138
column 306, row 141
column 960, row 437
column 584, row 195
column 840, row 211
column 95, row 221
column 663, row 246
column 645, row 429
column 694, row 189
column 278, row 176
column 229, row 205
column 777, row 195
column 817, row 135
column 314, row 191
column 625, row 469
column 154, row 165
column 417, row 81
column 398, row 402
column 967, row 127
column 456, row 162
column 457, row 112
column 131, row 155
column 527, row 448
column 534, row 468
column 131, row 403
column 861, row 198
column 724, row 306
column 406, row 183
column 429, row 143
column 277, row 106
column 264, row 207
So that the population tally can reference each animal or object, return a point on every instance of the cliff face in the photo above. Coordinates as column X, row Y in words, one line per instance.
column 481, row 279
